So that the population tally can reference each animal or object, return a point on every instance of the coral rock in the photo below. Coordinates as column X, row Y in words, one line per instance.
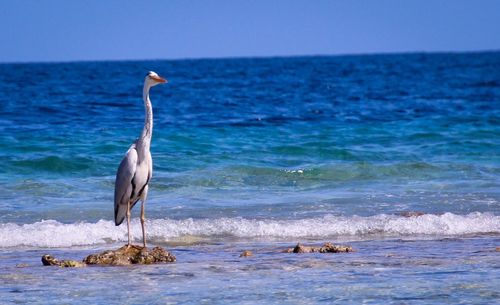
column 326, row 248
column 246, row 253
column 120, row 257
column 130, row 255
column 48, row 260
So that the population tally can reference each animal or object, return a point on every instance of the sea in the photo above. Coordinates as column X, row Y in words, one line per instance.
column 396, row 155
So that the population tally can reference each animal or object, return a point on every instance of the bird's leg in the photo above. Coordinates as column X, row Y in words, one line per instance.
column 128, row 224
column 143, row 219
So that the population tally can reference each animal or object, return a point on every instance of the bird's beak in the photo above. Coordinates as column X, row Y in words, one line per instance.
column 159, row 79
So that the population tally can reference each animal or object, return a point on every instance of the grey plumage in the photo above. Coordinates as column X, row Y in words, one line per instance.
column 124, row 184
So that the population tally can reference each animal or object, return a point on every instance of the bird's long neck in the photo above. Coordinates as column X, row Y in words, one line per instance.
column 145, row 139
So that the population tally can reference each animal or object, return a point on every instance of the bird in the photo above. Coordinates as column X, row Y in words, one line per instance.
column 136, row 168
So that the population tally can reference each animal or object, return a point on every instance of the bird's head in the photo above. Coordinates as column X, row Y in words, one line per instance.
column 154, row 79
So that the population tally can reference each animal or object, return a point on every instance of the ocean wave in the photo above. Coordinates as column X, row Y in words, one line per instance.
column 51, row 233
column 54, row 164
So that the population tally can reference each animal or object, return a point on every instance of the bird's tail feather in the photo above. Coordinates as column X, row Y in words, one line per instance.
column 120, row 213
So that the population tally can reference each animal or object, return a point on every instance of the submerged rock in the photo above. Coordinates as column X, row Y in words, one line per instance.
column 48, row 260
column 246, row 253
column 120, row 257
column 326, row 248
column 130, row 255
column 331, row 248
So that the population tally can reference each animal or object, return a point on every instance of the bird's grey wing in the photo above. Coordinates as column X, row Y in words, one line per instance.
column 123, row 183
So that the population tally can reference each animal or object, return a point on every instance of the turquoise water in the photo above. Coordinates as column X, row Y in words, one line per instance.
column 258, row 154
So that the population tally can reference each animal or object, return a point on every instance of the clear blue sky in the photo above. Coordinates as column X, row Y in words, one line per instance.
column 66, row 30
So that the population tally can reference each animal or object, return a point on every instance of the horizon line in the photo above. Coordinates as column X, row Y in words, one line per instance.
column 251, row 57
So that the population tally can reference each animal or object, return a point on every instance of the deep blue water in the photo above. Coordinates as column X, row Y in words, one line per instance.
column 255, row 153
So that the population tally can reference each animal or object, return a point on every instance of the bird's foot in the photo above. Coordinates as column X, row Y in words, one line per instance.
column 132, row 246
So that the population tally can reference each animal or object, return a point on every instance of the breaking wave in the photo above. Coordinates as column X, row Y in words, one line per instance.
column 51, row 233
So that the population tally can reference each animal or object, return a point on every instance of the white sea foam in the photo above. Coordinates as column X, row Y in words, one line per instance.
column 51, row 233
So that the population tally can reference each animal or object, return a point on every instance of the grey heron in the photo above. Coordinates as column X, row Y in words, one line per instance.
column 136, row 168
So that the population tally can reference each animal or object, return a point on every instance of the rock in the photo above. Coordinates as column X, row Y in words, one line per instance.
column 48, row 260
column 326, row 248
column 246, row 253
column 331, row 248
column 70, row 263
column 497, row 249
column 129, row 256
column 120, row 257
column 302, row 249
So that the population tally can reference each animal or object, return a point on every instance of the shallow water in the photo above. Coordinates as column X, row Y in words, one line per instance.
column 434, row 271
column 258, row 154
